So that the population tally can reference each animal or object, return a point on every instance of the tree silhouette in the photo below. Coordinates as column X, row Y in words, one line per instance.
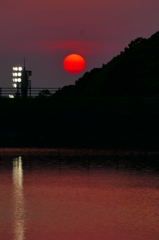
column 44, row 93
column 136, row 42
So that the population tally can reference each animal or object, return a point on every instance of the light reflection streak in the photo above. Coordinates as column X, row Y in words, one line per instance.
column 19, row 211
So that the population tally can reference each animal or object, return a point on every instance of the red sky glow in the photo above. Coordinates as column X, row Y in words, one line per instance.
column 47, row 31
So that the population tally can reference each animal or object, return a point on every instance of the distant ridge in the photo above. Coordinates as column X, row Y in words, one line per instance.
column 134, row 72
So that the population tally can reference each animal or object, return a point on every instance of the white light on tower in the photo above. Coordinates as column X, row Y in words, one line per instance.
column 15, row 80
column 19, row 69
column 17, row 76
column 14, row 85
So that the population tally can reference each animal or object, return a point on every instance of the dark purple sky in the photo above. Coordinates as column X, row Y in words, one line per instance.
column 45, row 32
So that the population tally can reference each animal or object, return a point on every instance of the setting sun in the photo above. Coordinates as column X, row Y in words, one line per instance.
column 74, row 63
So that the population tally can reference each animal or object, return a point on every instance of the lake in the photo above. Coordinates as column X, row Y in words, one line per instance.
column 82, row 194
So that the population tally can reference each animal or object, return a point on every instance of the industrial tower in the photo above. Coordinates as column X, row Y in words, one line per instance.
column 21, row 81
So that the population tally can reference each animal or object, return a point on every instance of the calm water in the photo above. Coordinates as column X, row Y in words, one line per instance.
column 78, row 194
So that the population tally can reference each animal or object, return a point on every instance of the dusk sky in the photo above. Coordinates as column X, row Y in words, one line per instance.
column 45, row 32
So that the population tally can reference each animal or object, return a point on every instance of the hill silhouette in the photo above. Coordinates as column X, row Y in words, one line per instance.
column 134, row 72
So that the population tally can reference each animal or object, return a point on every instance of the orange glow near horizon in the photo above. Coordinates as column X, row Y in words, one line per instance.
column 74, row 63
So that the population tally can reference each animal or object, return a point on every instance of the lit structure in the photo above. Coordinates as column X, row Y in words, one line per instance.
column 21, row 81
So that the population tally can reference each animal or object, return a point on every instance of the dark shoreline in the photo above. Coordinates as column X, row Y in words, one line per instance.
column 31, row 125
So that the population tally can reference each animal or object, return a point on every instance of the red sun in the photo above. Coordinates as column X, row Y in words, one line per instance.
column 74, row 63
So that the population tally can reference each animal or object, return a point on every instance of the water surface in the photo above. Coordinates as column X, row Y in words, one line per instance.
column 78, row 194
